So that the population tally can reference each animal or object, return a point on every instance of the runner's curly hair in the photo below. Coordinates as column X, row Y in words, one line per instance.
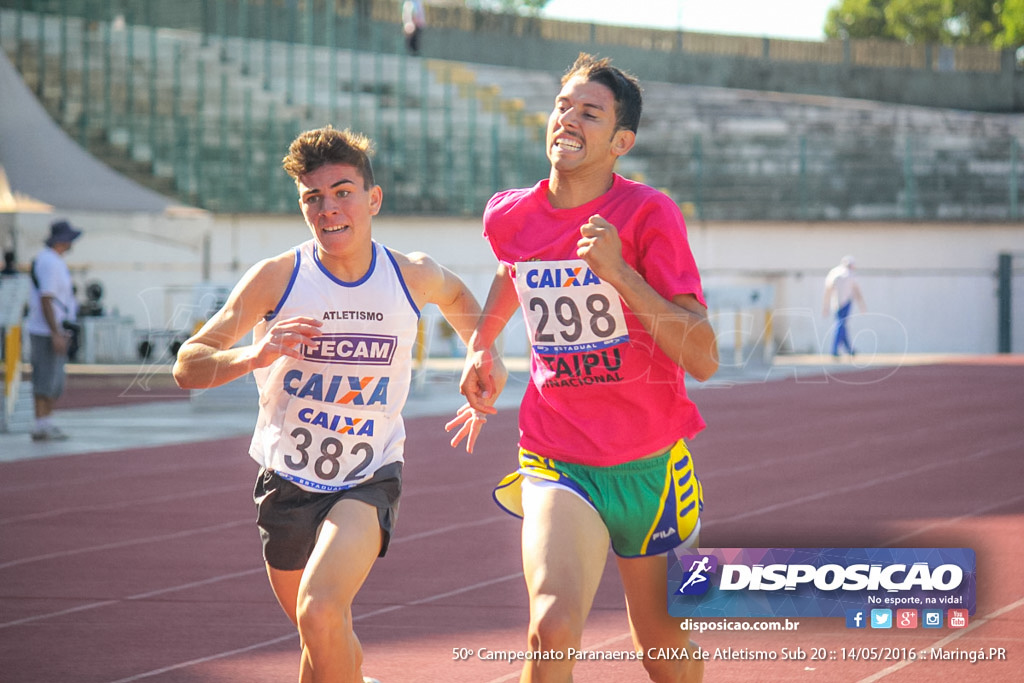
column 315, row 148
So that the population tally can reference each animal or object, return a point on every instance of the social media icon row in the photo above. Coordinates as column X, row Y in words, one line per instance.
column 905, row 618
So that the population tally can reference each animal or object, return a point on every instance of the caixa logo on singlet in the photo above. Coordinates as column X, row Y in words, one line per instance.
column 352, row 349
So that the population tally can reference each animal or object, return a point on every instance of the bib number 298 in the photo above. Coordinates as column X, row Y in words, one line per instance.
column 327, row 464
column 600, row 321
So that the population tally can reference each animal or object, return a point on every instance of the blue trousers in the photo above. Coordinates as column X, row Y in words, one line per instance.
column 841, row 338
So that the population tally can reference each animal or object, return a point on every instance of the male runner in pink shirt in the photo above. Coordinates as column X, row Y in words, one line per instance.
column 603, row 272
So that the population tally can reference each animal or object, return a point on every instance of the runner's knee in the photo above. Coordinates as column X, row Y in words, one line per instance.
column 321, row 619
column 554, row 628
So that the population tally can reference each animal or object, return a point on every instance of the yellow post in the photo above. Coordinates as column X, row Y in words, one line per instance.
column 12, row 369
column 419, row 378
column 421, row 343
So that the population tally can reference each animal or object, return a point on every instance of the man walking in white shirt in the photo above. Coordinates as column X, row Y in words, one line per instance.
column 841, row 290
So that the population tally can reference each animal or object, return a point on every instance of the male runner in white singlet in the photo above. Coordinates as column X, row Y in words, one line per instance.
column 334, row 323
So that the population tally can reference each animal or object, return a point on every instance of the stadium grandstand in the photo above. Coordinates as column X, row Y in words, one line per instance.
column 784, row 155
column 174, row 94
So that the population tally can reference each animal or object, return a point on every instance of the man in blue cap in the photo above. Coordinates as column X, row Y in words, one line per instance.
column 52, row 314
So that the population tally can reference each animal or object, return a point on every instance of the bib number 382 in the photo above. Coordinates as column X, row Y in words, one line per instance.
column 328, row 455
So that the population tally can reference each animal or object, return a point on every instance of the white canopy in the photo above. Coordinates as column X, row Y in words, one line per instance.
column 43, row 163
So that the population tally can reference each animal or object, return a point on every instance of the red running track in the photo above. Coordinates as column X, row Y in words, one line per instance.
column 144, row 565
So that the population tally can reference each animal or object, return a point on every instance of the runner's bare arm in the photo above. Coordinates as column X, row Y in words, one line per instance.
column 210, row 358
column 680, row 327
column 484, row 375
column 430, row 282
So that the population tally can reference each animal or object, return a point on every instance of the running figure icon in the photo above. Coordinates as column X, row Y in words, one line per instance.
column 697, row 571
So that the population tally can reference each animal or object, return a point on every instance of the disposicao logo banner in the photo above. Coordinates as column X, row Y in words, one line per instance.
column 817, row 582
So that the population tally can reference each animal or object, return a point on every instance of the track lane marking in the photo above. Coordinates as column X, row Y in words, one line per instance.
column 224, row 577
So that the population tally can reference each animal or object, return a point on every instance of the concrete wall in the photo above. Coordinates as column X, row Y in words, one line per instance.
column 929, row 287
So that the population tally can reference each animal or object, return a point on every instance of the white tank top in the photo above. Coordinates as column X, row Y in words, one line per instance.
column 330, row 420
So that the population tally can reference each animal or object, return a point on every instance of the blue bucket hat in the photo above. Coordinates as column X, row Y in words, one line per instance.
column 62, row 232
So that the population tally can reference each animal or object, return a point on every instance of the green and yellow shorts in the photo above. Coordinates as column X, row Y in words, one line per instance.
column 649, row 506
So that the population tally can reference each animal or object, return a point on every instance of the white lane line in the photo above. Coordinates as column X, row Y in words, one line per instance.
column 954, row 520
column 125, row 544
column 210, row 658
column 82, row 509
column 439, row 596
column 137, row 596
column 864, row 484
column 224, row 577
column 274, row 641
